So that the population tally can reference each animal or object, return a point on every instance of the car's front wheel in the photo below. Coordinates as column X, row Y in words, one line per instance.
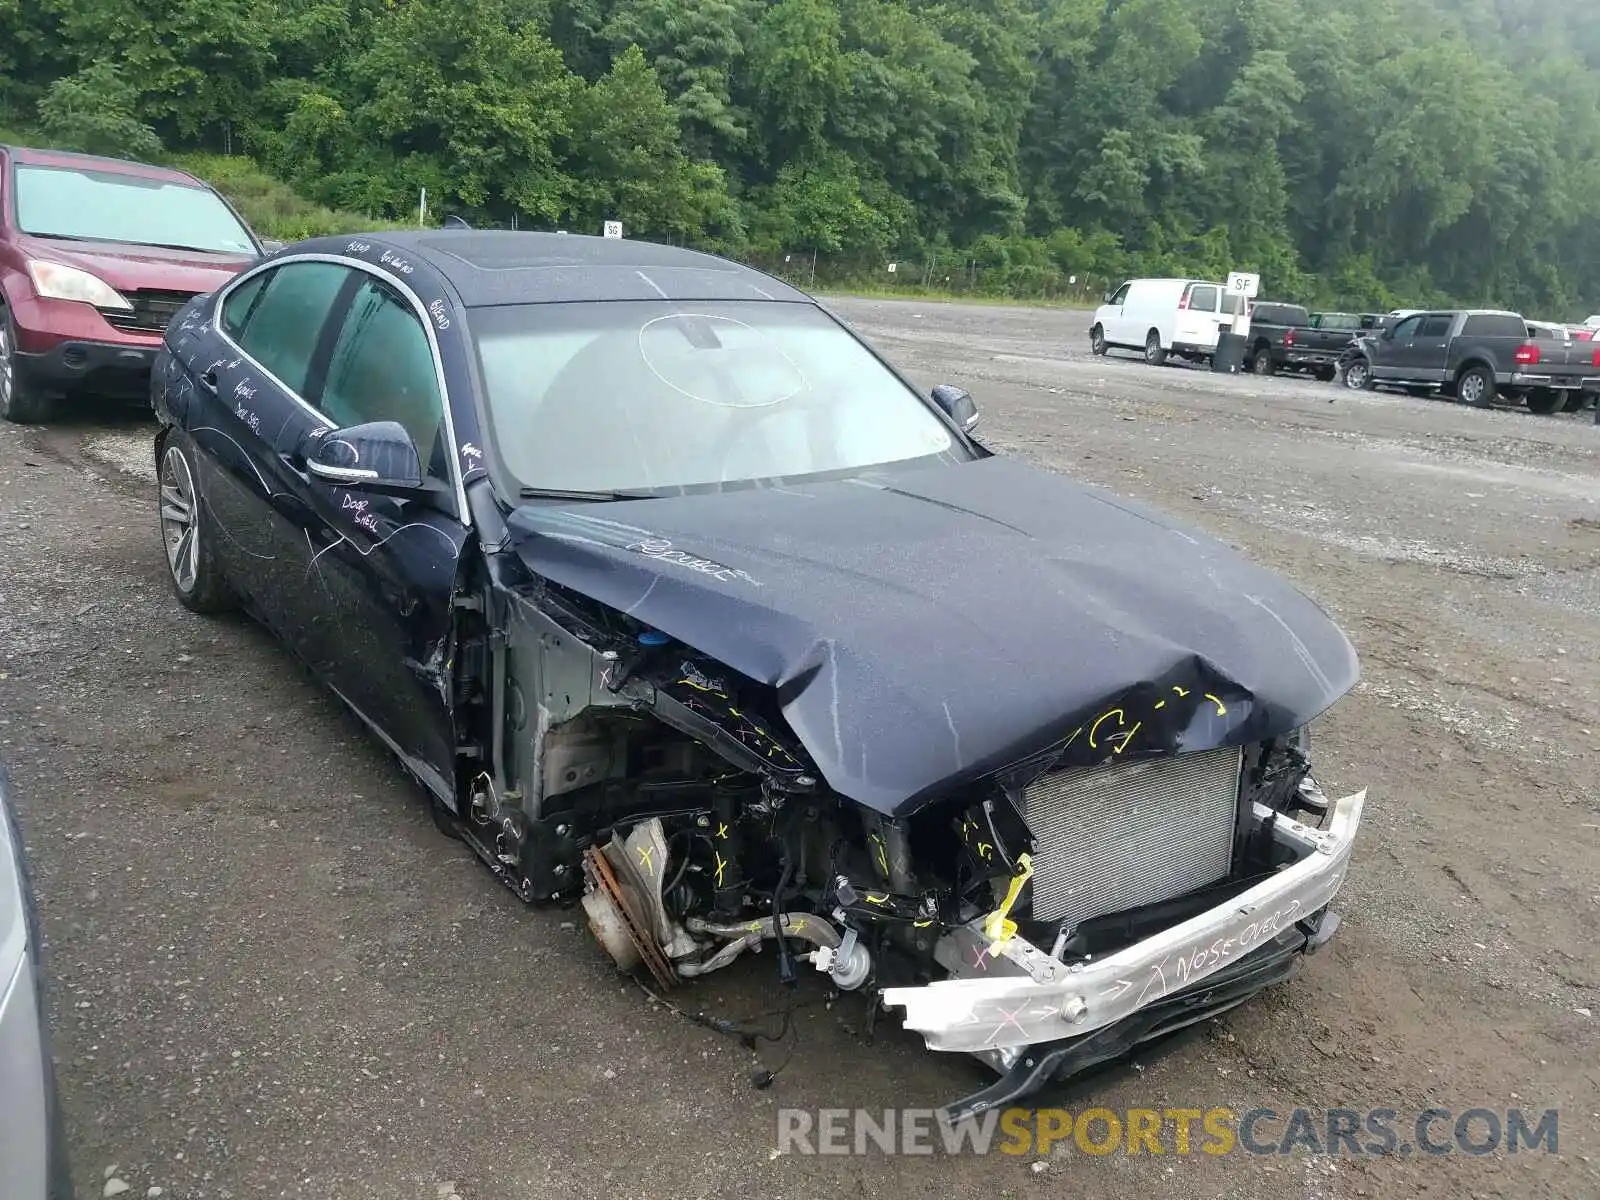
column 1097, row 340
column 1358, row 375
column 21, row 401
column 197, row 578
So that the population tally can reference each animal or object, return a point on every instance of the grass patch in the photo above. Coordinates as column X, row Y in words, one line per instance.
column 935, row 296
column 272, row 208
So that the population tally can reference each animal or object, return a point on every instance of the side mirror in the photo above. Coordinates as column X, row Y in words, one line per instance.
column 958, row 404
column 376, row 457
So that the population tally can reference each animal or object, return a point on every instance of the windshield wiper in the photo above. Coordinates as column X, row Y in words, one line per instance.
column 101, row 241
column 533, row 493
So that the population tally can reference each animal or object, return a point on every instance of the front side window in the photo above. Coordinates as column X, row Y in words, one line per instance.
column 382, row 369
column 1436, row 326
column 109, row 206
column 281, row 325
column 1122, row 294
column 657, row 396
column 1407, row 329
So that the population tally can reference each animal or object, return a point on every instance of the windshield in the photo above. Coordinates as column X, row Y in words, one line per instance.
column 651, row 396
column 108, row 206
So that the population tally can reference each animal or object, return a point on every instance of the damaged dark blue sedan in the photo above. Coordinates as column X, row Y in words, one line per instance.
column 676, row 597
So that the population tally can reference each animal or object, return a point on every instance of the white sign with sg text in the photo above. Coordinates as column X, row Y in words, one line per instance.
column 614, row 230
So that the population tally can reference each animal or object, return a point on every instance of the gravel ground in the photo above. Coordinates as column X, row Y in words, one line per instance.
column 272, row 977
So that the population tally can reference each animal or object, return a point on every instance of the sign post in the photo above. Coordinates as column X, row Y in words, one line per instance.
column 1243, row 286
column 613, row 229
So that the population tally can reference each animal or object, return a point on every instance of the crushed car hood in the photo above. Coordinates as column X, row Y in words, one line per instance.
column 927, row 626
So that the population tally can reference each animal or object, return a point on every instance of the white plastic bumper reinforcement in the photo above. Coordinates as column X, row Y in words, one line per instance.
column 1017, row 995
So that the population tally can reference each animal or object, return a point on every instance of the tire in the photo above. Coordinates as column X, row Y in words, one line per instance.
column 1358, row 375
column 1575, row 401
column 1261, row 361
column 1475, row 386
column 186, row 532
column 1097, row 341
column 21, row 402
column 1545, row 401
column 1153, row 353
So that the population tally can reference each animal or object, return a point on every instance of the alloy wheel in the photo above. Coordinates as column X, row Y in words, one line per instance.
column 7, row 368
column 180, row 527
column 1471, row 389
column 1355, row 377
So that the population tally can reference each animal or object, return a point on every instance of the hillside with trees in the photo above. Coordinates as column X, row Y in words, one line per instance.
column 1355, row 152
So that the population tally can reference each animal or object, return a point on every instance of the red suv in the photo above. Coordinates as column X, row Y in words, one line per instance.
column 96, row 256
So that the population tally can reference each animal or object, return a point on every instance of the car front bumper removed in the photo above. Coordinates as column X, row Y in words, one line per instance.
column 1011, row 997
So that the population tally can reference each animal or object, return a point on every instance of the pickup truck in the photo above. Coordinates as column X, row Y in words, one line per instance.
column 1351, row 323
column 1282, row 338
column 1474, row 356
column 1561, row 350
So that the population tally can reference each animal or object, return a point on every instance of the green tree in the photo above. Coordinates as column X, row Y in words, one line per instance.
column 93, row 111
column 625, row 131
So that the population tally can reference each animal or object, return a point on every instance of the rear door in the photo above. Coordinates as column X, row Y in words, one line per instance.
column 1199, row 315
column 246, row 379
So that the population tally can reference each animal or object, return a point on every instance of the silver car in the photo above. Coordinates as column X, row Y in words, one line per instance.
column 32, row 1155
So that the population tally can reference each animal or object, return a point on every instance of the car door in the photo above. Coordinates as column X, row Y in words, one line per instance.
column 1425, row 353
column 1198, row 316
column 244, row 379
column 1116, row 320
column 1390, row 352
column 375, row 596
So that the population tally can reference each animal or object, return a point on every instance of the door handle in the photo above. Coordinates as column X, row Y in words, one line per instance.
column 208, row 380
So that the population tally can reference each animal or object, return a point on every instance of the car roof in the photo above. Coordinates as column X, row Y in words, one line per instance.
column 34, row 157
column 497, row 266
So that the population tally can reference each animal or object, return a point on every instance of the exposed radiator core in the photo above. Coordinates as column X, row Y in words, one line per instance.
column 1112, row 838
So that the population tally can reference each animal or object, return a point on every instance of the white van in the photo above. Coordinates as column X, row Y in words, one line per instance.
column 1164, row 316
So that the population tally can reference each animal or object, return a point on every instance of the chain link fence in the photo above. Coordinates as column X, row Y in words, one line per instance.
column 952, row 274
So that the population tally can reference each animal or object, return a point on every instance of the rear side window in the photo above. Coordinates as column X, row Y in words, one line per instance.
column 1281, row 314
column 281, row 326
column 236, row 308
column 1203, row 297
column 1434, row 327
column 1494, row 325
